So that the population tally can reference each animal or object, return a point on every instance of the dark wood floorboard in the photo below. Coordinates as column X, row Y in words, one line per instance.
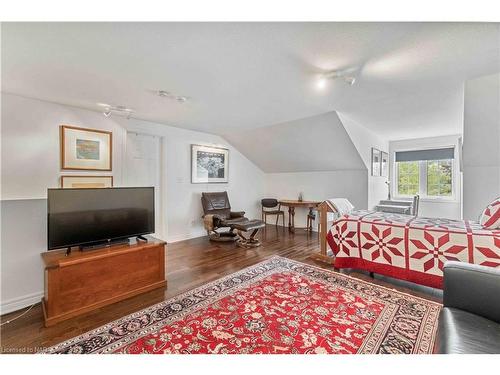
column 190, row 264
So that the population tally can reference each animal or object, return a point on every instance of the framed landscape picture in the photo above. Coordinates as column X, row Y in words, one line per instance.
column 384, row 164
column 86, row 182
column 209, row 164
column 375, row 162
column 86, row 149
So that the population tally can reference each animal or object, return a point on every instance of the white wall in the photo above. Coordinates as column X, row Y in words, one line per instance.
column 481, row 150
column 30, row 145
column 30, row 164
column 245, row 188
column 450, row 209
column 364, row 140
column 315, row 156
column 24, row 237
column 317, row 186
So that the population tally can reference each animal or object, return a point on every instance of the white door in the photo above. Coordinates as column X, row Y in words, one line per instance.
column 142, row 168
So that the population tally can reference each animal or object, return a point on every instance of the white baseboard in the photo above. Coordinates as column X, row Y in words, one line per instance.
column 185, row 236
column 19, row 303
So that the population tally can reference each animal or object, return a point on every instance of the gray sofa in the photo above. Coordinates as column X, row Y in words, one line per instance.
column 470, row 319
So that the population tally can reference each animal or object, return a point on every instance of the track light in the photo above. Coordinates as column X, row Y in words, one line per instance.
column 169, row 95
column 181, row 99
column 121, row 110
column 350, row 80
column 334, row 74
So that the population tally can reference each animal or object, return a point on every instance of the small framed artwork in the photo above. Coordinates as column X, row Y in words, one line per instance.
column 384, row 163
column 375, row 162
column 86, row 182
column 86, row 149
column 209, row 164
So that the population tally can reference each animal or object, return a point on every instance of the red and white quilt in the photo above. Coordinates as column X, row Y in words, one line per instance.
column 410, row 248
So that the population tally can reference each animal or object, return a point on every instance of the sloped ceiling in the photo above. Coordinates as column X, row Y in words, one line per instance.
column 248, row 75
column 317, row 143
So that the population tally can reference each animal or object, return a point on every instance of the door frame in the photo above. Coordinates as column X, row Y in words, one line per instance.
column 161, row 173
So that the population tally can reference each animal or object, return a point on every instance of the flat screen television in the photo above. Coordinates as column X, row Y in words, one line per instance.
column 80, row 217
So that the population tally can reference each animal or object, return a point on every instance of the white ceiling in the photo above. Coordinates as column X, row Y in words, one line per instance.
column 249, row 75
column 318, row 143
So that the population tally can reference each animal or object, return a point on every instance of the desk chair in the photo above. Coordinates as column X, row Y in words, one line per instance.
column 269, row 208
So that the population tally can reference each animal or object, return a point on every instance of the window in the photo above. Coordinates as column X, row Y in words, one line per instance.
column 428, row 173
column 408, row 177
column 439, row 178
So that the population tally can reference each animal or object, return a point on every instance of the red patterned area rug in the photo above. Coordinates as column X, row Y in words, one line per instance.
column 277, row 306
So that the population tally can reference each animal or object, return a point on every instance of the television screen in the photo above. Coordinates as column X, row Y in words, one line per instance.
column 83, row 216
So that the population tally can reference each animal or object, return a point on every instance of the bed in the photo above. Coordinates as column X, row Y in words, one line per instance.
column 403, row 246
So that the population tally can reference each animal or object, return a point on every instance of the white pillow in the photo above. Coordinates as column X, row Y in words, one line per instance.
column 490, row 218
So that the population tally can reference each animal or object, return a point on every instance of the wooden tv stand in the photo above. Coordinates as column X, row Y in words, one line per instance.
column 86, row 280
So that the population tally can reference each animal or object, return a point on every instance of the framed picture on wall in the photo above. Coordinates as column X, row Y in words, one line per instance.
column 86, row 182
column 375, row 162
column 209, row 164
column 384, row 164
column 85, row 149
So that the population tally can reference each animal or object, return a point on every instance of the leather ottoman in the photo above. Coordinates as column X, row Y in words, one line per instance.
column 247, row 226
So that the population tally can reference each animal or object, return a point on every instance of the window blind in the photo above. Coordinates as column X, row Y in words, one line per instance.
column 433, row 154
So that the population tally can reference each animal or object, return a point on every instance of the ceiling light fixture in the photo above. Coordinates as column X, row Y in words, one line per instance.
column 181, row 99
column 177, row 98
column 350, row 80
column 164, row 94
column 119, row 110
column 346, row 75
column 321, row 84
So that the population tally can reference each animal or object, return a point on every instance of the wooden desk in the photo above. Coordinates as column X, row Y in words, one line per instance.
column 291, row 204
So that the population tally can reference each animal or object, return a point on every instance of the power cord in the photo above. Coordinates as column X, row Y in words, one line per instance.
column 17, row 317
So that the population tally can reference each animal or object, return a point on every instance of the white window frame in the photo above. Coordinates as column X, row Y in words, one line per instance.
column 422, row 188
column 396, row 173
column 424, row 163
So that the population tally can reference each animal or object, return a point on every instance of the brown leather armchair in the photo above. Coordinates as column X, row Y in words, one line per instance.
column 218, row 214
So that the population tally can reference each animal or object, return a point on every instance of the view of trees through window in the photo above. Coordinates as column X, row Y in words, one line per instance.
column 408, row 177
column 439, row 178
column 433, row 178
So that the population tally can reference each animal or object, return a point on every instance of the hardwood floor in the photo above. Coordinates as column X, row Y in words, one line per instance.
column 190, row 264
